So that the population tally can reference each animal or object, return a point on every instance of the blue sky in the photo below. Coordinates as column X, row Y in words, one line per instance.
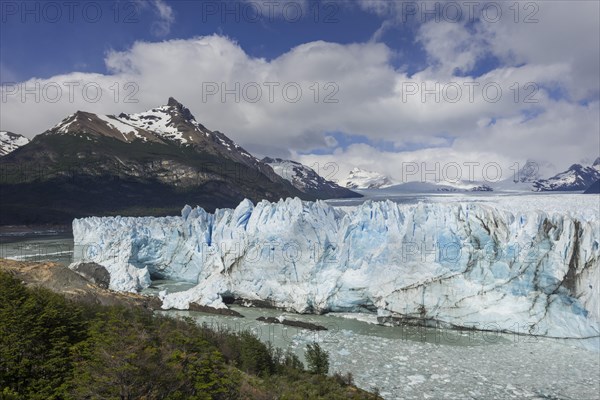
column 67, row 38
column 368, row 48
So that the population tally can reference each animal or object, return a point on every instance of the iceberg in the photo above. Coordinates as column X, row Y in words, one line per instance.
column 462, row 264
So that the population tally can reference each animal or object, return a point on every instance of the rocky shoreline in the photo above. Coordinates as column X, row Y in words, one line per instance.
column 88, row 283
column 60, row 279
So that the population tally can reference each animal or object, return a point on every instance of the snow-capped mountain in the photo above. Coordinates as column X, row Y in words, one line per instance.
column 149, row 162
column 363, row 179
column 9, row 142
column 496, row 266
column 577, row 177
column 172, row 123
column 307, row 179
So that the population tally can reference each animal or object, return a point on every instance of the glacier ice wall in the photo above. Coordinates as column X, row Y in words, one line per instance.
column 462, row 264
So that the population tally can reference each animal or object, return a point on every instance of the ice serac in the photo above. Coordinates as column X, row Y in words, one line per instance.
column 462, row 264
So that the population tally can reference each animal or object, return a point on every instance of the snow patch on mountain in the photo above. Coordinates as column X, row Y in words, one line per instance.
column 157, row 120
column 461, row 264
column 9, row 142
column 63, row 126
column 114, row 123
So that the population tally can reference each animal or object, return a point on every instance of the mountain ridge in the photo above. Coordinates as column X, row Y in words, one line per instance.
column 576, row 177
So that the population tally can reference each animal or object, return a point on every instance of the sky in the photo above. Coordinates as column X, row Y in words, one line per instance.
column 387, row 86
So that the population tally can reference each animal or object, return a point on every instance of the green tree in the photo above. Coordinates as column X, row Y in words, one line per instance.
column 37, row 330
column 317, row 359
column 255, row 356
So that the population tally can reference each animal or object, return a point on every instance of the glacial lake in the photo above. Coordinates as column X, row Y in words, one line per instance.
column 403, row 363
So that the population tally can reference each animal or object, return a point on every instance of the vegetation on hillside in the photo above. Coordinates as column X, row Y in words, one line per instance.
column 52, row 348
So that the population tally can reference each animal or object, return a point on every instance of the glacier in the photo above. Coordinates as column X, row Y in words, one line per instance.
column 460, row 264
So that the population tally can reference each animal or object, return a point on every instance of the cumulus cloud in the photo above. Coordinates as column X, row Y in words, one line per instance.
column 457, row 34
column 552, row 33
column 450, row 46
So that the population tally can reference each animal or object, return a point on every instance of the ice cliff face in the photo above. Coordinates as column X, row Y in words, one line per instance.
column 464, row 264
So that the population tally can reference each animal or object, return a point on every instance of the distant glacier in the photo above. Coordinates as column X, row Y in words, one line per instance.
column 462, row 264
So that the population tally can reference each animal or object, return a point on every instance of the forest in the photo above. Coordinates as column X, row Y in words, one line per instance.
column 55, row 348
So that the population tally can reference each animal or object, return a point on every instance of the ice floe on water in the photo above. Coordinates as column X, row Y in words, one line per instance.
column 426, row 363
column 509, row 367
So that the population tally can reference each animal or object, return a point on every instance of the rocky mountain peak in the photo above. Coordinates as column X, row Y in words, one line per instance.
column 181, row 109
column 174, row 103
column 576, row 167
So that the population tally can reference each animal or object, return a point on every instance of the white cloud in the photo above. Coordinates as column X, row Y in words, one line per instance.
column 566, row 33
column 162, row 11
column 532, row 32
column 442, row 165
column 450, row 46
column 330, row 141
column 166, row 16
column 378, row 34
